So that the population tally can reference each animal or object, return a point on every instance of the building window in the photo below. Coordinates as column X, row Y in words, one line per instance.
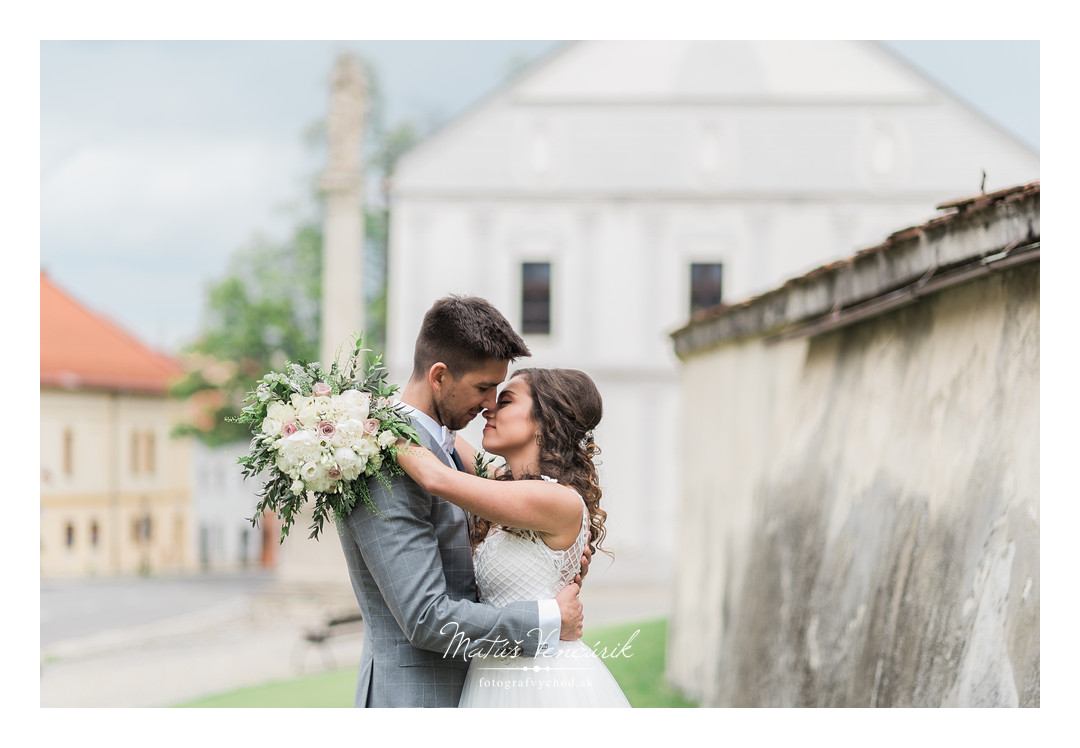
column 141, row 529
column 151, row 462
column 69, row 452
column 94, row 534
column 536, row 298
column 706, row 280
column 69, row 535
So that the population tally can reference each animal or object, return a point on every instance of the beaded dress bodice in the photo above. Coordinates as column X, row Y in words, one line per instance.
column 517, row 565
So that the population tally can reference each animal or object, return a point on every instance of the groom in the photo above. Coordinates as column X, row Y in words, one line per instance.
column 412, row 569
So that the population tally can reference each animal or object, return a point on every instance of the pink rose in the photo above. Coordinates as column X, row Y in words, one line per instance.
column 288, row 428
column 325, row 429
column 333, row 473
column 321, row 389
column 371, row 426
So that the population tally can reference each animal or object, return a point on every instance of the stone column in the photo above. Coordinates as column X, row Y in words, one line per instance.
column 303, row 564
column 343, row 228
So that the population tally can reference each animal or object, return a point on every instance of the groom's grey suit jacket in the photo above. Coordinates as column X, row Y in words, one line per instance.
column 413, row 577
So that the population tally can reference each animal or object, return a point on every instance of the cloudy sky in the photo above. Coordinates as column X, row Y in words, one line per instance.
column 159, row 159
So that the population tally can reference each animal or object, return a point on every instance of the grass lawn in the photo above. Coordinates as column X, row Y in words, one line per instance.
column 333, row 688
column 637, row 663
column 639, row 668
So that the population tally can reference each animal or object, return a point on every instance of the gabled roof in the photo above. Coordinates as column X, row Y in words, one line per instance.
column 695, row 72
column 82, row 350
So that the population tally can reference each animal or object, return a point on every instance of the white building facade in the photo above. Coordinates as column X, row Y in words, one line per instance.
column 223, row 505
column 616, row 186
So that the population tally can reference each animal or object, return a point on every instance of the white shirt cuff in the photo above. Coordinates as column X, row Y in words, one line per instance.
column 550, row 627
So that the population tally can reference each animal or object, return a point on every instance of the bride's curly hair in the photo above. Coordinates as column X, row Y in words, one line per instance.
column 566, row 409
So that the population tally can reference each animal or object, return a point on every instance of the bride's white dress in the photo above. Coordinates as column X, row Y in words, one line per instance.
column 513, row 566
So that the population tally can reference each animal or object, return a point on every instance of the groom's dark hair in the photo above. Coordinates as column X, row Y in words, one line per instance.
column 465, row 332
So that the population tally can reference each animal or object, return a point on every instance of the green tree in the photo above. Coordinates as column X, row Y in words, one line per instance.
column 388, row 148
column 265, row 310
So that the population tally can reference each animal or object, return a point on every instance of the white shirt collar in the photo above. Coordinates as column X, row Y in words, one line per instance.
column 441, row 434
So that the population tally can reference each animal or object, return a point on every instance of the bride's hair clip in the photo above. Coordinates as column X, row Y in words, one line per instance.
column 587, row 440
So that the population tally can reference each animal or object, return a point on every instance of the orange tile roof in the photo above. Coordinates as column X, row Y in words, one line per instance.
column 81, row 350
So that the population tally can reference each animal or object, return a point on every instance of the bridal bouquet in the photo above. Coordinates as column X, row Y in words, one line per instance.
column 320, row 434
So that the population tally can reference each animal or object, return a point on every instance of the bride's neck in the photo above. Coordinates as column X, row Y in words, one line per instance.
column 526, row 463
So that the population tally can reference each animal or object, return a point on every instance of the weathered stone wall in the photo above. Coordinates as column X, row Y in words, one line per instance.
column 862, row 510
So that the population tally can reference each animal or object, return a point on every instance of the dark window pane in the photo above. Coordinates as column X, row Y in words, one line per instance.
column 536, row 297
column 706, row 281
column 69, row 452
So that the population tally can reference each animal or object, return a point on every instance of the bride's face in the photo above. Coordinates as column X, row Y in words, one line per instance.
column 510, row 427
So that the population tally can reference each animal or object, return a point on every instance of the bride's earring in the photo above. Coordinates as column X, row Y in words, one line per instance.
column 538, row 442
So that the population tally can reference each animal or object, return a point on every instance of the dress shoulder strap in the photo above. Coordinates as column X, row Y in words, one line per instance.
column 552, row 480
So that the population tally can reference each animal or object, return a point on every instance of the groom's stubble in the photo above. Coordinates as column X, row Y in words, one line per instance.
column 455, row 402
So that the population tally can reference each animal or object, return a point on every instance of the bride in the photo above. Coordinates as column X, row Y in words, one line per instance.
column 531, row 526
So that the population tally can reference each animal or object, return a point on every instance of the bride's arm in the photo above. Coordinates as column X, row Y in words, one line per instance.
column 526, row 504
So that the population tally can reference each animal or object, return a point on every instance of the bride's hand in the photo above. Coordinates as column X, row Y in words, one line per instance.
column 418, row 462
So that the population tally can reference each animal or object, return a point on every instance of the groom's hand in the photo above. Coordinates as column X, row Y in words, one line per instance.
column 573, row 615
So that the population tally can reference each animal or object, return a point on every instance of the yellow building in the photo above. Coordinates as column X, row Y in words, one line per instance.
column 115, row 488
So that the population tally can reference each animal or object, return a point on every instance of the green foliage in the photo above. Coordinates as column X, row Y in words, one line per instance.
column 292, row 391
column 639, row 668
column 263, row 312
column 334, row 688
column 482, row 464
column 266, row 308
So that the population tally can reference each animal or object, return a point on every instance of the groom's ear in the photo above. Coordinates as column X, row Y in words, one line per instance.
column 437, row 375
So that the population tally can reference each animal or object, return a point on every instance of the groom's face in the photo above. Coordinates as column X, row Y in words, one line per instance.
column 458, row 401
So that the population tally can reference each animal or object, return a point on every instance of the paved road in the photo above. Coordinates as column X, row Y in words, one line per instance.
column 79, row 608
column 162, row 641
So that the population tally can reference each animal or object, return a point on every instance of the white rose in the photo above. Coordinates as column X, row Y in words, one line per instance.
column 322, row 404
column 386, row 439
column 336, row 411
column 308, row 414
column 301, row 447
column 285, row 465
column 355, row 404
column 297, row 487
column 345, row 457
column 314, row 476
column 308, row 471
column 281, row 411
column 271, row 426
column 367, row 446
column 348, row 433
column 351, row 464
column 288, row 458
